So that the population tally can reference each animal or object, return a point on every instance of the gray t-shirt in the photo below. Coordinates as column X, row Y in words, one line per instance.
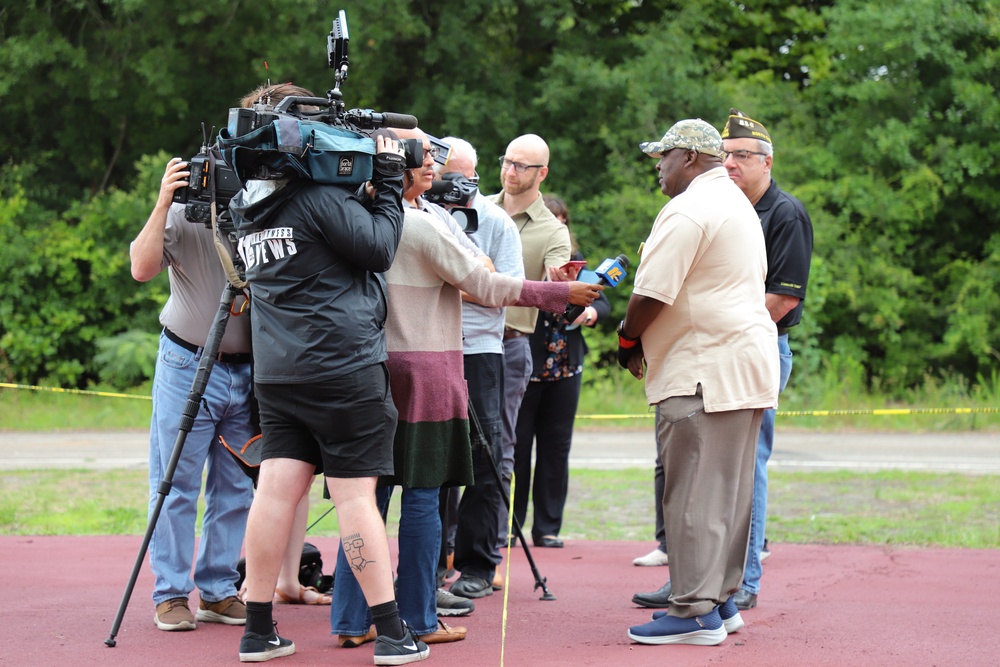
column 197, row 281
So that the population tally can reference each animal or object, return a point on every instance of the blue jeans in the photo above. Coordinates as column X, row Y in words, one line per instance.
column 765, row 443
column 225, row 412
column 416, row 585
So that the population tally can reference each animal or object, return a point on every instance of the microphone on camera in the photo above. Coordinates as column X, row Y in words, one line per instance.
column 610, row 272
column 403, row 121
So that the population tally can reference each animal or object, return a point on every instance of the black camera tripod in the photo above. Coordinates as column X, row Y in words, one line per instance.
column 208, row 357
column 479, row 439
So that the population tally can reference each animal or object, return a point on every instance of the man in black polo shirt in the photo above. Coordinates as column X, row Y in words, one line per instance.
column 788, row 237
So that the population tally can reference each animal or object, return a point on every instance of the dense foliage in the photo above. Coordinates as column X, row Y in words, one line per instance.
column 884, row 116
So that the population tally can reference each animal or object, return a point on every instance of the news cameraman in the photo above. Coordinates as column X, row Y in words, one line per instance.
column 197, row 279
column 314, row 256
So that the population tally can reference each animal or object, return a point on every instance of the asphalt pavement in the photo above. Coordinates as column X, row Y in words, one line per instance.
column 966, row 452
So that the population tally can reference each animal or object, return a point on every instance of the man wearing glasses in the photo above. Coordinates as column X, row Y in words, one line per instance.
column 788, row 238
column 545, row 244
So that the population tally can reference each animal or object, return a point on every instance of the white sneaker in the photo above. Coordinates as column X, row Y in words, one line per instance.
column 652, row 559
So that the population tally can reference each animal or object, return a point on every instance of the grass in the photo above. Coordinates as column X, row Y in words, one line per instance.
column 606, row 393
column 910, row 508
column 885, row 508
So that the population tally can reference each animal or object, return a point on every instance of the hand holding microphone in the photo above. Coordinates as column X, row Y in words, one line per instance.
column 610, row 272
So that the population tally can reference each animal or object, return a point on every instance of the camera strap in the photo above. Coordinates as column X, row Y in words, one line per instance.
column 222, row 248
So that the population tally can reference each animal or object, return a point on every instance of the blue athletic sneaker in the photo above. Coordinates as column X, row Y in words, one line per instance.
column 729, row 612
column 704, row 630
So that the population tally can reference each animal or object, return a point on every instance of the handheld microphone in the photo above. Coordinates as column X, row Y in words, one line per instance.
column 611, row 272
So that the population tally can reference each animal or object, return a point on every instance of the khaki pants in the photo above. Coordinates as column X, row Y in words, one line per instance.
column 708, row 461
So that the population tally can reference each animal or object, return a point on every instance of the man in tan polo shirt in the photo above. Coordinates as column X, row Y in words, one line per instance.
column 545, row 244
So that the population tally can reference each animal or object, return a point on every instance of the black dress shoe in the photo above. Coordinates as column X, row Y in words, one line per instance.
column 547, row 542
column 469, row 586
column 656, row 600
column 744, row 599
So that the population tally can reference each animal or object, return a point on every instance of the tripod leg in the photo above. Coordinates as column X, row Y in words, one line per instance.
column 198, row 386
column 478, row 439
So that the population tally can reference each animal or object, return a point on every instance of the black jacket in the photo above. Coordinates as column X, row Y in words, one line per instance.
column 314, row 255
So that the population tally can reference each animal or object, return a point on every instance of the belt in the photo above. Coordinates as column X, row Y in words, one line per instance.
column 509, row 333
column 224, row 357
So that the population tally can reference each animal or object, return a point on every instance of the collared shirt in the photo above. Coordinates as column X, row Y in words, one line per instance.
column 482, row 326
column 788, row 236
column 705, row 260
column 545, row 242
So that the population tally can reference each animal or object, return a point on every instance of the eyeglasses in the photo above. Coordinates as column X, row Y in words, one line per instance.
column 431, row 152
column 740, row 156
column 518, row 167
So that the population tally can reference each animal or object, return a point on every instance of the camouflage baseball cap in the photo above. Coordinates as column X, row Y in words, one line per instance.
column 693, row 133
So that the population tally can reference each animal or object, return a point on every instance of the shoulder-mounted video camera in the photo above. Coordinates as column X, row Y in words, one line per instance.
column 210, row 178
column 315, row 138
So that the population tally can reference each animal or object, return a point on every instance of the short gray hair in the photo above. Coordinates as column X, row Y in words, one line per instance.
column 463, row 147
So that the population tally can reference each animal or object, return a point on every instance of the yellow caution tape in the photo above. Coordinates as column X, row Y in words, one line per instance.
column 644, row 415
column 833, row 413
column 60, row 390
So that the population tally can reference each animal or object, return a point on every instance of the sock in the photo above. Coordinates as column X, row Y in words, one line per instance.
column 259, row 619
column 386, row 619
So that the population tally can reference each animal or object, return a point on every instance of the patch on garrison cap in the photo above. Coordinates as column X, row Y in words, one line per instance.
column 740, row 126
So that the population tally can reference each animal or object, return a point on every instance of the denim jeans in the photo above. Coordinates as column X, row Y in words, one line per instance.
column 416, row 583
column 224, row 411
column 765, row 443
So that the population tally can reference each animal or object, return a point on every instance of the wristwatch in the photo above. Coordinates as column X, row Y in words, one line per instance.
column 625, row 342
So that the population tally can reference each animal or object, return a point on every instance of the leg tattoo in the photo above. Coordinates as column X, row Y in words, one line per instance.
column 353, row 544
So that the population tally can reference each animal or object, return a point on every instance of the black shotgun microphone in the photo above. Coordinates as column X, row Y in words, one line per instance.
column 611, row 272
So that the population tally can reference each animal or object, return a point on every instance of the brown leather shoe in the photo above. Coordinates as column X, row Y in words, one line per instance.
column 352, row 641
column 174, row 614
column 444, row 634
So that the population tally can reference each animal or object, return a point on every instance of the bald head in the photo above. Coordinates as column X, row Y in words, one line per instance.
column 532, row 147
column 522, row 169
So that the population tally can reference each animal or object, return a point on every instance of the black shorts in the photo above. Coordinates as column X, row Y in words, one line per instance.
column 344, row 427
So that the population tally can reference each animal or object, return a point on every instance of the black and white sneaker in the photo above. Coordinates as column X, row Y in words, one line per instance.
column 261, row 648
column 400, row 651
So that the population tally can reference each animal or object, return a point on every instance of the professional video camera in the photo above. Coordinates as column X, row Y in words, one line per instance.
column 456, row 192
column 453, row 189
column 310, row 137
column 316, row 138
column 208, row 173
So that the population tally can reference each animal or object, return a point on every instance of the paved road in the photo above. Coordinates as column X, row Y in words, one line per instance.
column 604, row 450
